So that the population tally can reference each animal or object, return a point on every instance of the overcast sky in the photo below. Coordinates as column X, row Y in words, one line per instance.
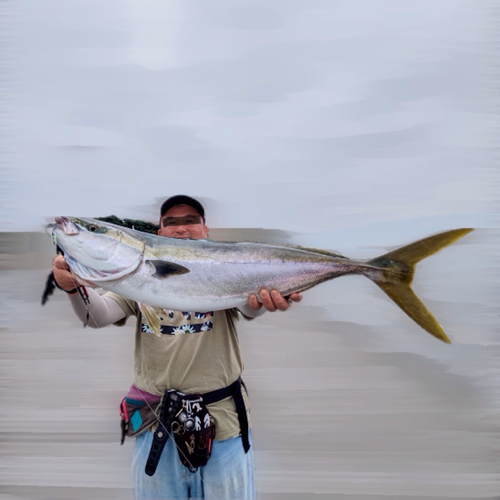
column 313, row 117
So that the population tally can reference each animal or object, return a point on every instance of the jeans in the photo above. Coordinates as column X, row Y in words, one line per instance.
column 228, row 475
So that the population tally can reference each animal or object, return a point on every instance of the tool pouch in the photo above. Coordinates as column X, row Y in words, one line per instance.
column 194, row 431
column 187, row 417
column 136, row 417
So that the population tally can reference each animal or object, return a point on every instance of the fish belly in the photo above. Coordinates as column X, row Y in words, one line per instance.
column 221, row 286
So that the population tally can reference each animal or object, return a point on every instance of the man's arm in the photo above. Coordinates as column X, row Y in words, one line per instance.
column 103, row 311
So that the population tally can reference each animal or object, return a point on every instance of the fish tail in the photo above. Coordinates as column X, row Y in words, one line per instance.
column 398, row 268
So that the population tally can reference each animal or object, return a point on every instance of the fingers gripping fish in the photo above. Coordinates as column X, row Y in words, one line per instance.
column 167, row 273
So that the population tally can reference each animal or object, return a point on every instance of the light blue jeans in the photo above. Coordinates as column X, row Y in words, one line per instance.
column 228, row 475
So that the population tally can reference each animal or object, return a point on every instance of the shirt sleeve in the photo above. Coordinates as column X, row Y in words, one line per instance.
column 101, row 310
column 129, row 307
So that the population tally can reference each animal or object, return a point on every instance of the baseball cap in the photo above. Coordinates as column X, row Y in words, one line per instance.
column 182, row 199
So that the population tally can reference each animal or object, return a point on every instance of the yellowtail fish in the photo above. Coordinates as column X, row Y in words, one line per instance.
column 201, row 275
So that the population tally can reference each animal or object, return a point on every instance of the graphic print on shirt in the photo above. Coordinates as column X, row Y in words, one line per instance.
column 183, row 322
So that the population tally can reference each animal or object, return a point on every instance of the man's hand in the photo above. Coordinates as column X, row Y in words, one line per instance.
column 272, row 301
column 62, row 274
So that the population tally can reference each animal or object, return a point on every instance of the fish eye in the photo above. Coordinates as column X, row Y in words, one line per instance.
column 92, row 228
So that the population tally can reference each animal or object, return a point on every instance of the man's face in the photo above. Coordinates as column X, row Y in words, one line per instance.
column 182, row 221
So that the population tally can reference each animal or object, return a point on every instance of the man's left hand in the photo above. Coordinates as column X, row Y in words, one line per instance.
column 272, row 301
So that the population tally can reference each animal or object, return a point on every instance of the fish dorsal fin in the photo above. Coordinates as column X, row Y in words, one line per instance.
column 324, row 252
column 152, row 317
column 315, row 250
column 163, row 268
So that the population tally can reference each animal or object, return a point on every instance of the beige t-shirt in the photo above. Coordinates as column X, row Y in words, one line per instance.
column 197, row 352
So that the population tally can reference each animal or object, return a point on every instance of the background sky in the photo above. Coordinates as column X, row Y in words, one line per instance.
column 311, row 117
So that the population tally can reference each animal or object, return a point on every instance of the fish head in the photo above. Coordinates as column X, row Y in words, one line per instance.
column 97, row 251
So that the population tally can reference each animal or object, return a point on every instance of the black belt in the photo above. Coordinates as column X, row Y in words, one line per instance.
column 233, row 390
column 168, row 409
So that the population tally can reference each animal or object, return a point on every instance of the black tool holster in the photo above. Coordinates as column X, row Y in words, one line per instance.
column 186, row 416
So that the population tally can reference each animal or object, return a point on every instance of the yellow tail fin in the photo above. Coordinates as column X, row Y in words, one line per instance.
column 398, row 268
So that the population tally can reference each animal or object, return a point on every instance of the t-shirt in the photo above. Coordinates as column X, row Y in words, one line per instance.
column 197, row 352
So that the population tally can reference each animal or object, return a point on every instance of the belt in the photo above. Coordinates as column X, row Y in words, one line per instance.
column 168, row 408
column 233, row 390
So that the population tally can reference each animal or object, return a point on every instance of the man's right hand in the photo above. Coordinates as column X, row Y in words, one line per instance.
column 63, row 275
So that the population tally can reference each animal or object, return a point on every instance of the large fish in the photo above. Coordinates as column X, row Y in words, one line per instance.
column 167, row 273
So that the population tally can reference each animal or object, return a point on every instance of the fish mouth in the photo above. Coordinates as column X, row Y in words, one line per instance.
column 63, row 224
column 66, row 226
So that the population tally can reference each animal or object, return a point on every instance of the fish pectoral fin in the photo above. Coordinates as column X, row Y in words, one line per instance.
column 164, row 268
column 152, row 317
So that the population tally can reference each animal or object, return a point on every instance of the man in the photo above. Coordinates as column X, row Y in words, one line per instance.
column 197, row 352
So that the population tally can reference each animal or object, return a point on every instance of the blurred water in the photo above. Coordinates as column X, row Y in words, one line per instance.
column 350, row 399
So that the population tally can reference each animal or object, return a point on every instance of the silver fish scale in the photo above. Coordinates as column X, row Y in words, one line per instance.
column 221, row 274
column 223, row 285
